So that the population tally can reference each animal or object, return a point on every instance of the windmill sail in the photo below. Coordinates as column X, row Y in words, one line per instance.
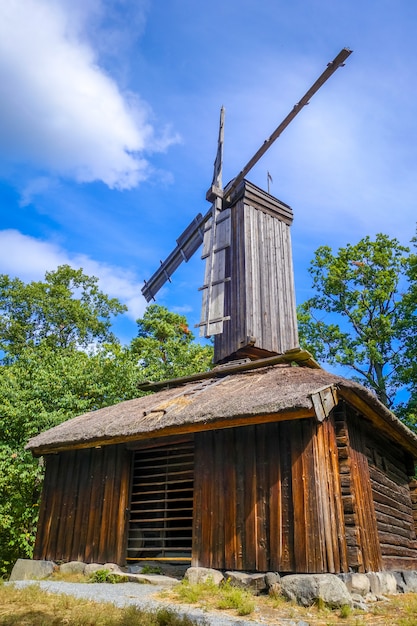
column 187, row 243
column 216, row 242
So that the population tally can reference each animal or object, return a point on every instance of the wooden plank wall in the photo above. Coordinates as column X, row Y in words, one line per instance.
column 260, row 297
column 83, row 507
column 267, row 497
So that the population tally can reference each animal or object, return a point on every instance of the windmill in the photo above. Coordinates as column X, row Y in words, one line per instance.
column 248, row 300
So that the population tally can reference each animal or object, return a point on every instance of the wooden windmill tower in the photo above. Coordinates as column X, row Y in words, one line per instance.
column 248, row 290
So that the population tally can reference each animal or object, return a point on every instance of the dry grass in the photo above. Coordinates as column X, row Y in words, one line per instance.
column 399, row 610
column 33, row 607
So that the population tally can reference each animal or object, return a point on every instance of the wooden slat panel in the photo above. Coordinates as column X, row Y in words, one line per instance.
column 158, row 523
column 299, row 501
column 262, row 508
column 232, row 545
column 248, row 468
column 364, row 507
column 287, row 530
column 47, row 506
column 275, row 498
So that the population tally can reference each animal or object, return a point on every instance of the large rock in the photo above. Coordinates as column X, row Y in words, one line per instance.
column 73, row 567
column 203, row 574
column 92, row 568
column 410, row 579
column 382, row 582
column 252, row 582
column 356, row 583
column 26, row 569
column 307, row 589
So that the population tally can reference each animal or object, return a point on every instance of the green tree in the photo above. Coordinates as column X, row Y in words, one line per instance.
column 357, row 316
column 50, row 372
column 407, row 369
column 41, row 388
column 166, row 348
column 66, row 309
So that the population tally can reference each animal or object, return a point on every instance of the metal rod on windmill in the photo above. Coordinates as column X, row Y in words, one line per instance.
column 192, row 237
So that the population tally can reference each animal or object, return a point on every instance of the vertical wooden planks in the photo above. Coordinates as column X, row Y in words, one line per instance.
column 46, row 514
column 364, row 505
column 262, row 508
column 299, row 501
column 287, row 563
column 232, row 540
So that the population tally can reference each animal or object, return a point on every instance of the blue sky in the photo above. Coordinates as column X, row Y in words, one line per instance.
column 108, row 129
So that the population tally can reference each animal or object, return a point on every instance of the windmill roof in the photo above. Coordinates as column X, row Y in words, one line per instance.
column 267, row 394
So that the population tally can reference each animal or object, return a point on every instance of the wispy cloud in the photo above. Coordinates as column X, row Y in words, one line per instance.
column 29, row 258
column 61, row 112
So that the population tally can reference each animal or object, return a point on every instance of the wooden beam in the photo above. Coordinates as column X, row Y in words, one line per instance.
column 296, row 355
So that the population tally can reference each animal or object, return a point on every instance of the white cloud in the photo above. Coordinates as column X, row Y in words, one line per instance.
column 29, row 258
column 60, row 112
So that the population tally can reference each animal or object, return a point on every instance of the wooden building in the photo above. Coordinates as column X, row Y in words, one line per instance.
column 248, row 292
column 263, row 466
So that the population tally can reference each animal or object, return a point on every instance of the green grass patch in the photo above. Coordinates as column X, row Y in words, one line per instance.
column 106, row 576
column 208, row 595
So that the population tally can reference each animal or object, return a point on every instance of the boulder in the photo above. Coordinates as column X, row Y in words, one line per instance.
column 203, row 574
column 272, row 578
column 73, row 567
column 358, row 602
column 148, row 579
column 387, row 582
column 356, row 583
column 307, row 589
column 112, row 567
column 252, row 582
column 410, row 579
column 26, row 569
column 92, row 568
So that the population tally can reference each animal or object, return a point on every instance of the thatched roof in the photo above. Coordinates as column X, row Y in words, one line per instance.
column 266, row 394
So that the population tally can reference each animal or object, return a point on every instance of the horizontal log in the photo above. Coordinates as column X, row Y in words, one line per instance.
column 389, row 550
column 395, row 522
column 354, row 557
column 399, row 563
column 382, row 479
column 407, row 533
column 348, row 504
column 395, row 540
column 343, row 452
column 384, row 499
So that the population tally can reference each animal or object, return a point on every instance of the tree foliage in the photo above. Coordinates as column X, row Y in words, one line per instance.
column 67, row 309
column 360, row 314
column 165, row 346
column 60, row 359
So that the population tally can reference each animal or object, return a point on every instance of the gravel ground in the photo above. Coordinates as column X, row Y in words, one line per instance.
column 142, row 595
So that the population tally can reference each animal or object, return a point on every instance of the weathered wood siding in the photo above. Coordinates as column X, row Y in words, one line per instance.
column 388, row 468
column 259, row 298
column 380, row 529
column 267, row 497
column 83, row 508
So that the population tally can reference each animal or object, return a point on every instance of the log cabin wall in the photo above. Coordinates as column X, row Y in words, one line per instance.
column 267, row 497
column 260, row 295
column 83, row 507
column 389, row 469
column 380, row 530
